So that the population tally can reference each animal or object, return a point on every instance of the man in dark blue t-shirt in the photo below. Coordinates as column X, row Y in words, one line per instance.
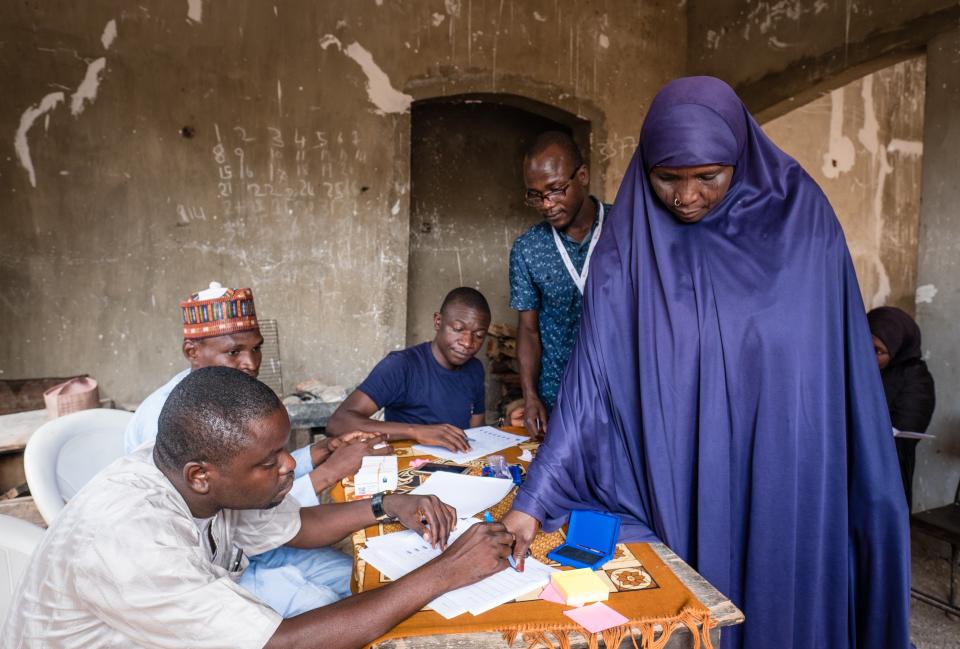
column 432, row 391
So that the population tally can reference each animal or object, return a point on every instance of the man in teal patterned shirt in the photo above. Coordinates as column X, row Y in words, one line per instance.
column 548, row 268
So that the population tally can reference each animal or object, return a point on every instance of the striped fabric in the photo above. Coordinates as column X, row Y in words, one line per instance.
column 231, row 312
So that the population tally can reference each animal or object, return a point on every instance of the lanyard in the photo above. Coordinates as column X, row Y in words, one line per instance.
column 580, row 279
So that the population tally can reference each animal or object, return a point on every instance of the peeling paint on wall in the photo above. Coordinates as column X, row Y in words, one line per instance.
column 906, row 147
column 840, row 154
column 20, row 143
column 380, row 90
column 195, row 11
column 926, row 293
column 872, row 180
column 87, row 90
column 109, row 34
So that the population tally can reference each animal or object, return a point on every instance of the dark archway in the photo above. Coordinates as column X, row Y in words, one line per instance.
column 466, row 198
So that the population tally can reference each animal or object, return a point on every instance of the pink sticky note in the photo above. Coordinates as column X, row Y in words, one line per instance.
column 551, row 594
column 596, row 617
column 419, row 462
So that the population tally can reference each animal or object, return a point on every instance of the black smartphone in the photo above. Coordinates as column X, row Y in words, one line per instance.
column 432, row 467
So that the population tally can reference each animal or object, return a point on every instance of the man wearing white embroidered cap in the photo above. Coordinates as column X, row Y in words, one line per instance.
column 220, row 329
column 548, row 268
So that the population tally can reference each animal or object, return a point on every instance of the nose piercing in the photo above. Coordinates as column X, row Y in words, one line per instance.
column 676, row 201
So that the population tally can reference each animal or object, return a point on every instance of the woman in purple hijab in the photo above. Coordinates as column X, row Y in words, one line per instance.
column 723, row 395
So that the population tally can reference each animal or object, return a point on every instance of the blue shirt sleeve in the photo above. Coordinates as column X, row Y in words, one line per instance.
column 304, row 462
column 524, row 295
column 303, row 492
column 387, row 383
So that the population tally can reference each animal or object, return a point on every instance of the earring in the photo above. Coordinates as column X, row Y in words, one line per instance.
column 676, row 201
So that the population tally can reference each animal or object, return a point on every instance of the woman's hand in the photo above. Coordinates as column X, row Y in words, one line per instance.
column 524, row 528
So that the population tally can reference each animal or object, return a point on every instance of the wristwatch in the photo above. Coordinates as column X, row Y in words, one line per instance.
column 376, row 504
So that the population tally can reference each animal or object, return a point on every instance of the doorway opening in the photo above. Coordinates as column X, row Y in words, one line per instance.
column 466, row 203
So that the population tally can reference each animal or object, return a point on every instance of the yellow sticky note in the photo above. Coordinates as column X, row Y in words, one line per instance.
column 580, row 586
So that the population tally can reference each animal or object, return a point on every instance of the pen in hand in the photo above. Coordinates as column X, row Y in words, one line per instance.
column 488, row 518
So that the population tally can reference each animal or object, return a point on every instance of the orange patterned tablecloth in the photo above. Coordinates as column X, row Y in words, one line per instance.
column 642, row 587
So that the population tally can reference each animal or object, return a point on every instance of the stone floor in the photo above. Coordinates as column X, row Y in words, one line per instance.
column 930, row 628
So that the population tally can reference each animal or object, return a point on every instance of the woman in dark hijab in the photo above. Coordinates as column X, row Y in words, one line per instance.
column 907, row 383
column 722, row 396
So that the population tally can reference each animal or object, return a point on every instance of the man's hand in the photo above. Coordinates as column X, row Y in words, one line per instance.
column 345, row 461
column 347, row 458
column 333, row 443
column 524, row 527
column 322, row 449
column 535, row 417
column 428, row 516
column 479, row 552
column 446, row 435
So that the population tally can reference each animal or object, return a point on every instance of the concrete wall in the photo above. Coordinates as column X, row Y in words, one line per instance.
column 863, row 144
column 781, row 54
column 938, row 293
column 152, row 147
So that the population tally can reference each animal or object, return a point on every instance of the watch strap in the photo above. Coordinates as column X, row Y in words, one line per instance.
column 376, row 504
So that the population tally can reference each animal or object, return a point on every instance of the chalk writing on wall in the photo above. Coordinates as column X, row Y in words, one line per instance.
column 617, row 147
column 277, row 172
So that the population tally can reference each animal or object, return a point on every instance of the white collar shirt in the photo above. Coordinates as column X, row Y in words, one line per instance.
column 125, row 565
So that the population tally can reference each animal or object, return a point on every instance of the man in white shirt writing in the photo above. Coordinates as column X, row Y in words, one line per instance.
column 149, row 552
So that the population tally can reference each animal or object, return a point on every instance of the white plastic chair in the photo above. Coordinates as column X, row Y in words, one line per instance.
column 18, row 540
column 65, row 453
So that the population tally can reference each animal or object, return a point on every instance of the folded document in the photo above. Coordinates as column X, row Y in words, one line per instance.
column 377, row 473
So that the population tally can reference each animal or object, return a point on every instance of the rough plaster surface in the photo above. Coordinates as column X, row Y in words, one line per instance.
column 776, row 51
column 938, row 305
column 294, row 180
column 863, row 145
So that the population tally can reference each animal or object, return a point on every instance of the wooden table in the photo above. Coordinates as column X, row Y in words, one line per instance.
column 722, row 611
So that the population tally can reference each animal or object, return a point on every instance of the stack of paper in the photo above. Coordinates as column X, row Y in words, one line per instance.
column 468, row 494
column 484, row 440
column 579, row 586
column 377, row 473
column 394, row 555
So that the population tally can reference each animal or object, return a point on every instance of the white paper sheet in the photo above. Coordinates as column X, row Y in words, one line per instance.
column 484, row 440
column 906, row 434
column 377, row 473
column 468, row 494
column 394, row 555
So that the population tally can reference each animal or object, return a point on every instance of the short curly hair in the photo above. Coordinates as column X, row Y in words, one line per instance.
column 204, row 419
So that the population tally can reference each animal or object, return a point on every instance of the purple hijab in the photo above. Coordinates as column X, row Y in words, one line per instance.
column 723, row 395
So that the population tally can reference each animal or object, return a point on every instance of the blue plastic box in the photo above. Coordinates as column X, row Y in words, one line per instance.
column 591, row 540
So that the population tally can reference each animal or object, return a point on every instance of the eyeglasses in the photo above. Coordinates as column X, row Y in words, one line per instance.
column 536, row 199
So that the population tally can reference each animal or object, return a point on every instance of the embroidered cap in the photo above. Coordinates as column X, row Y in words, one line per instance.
column 218, row 311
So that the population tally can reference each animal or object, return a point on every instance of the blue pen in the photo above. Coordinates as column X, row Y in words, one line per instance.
column 488, row 518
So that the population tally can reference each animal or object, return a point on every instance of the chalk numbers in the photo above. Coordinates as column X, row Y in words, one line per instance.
column 279, row 172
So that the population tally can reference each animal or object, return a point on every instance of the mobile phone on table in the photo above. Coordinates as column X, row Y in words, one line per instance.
column 433, row 467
